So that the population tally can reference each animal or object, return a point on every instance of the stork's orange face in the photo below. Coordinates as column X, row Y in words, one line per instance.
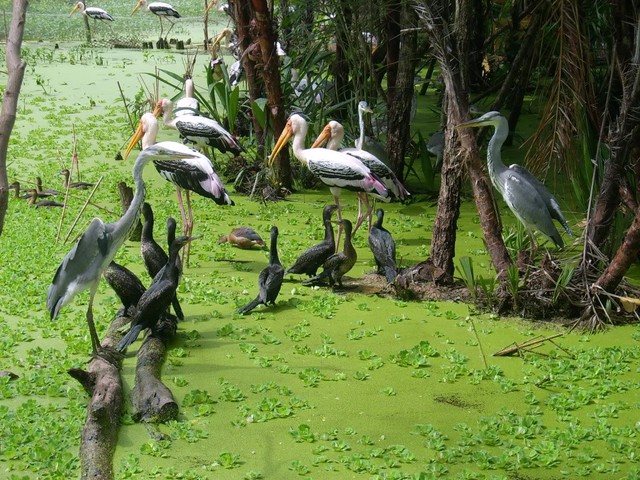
column 138, row 5
column 159, row 110
column 75, row 8
column 324, row 136
column 284, row 138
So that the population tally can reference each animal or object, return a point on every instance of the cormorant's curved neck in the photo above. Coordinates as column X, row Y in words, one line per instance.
column 273, row 250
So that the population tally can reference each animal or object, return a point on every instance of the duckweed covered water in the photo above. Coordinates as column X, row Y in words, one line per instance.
column 323, row 385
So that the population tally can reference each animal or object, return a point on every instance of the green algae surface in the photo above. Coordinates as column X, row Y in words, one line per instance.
column 351, row 384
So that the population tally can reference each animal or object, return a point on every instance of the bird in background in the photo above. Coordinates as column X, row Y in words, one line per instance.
column 383, row 248
column 529, row 200
column 45, row 192
column 67, row 183
column 193, row 173
column 155, row 301
column 338, row 264
column 83, row 266
column 34, row 199
column 335, row 169
column 202, row 131
column 161, row 10
column 314, row 257
column 92, row 12
column 153, row 255
column 188, row 104
column 269, row 280
column 244, row 238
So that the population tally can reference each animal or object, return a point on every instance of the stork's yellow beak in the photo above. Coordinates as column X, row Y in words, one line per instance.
column 134, row 140
column 135, row 9
column 74, row 9
column 210, row 6
column 285, row 136
column 323, row 138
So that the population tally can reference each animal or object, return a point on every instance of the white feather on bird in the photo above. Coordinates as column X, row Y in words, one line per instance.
column 92, row 12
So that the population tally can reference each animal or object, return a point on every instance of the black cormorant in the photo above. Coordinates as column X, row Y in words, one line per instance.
column 383, row 247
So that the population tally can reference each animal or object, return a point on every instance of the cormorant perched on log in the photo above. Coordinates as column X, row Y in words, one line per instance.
column 125, row 283
column 155, row 301
column 154, row 256
column 338, row 264
column 312, row 259
column 383, row 247
column 270, row 279
column 243, row 237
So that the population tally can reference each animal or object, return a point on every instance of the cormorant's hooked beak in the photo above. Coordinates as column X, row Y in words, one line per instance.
column 285, row 136
column 323, row 138
column 135, row 9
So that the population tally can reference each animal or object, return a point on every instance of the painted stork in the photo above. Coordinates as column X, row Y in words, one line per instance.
column 92, row 12
column 191, row 174
column 336, row 169
column 332, row 134
column 202, row 131
column 161, row 10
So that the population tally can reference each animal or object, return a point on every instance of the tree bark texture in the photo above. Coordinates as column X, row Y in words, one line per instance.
column 271, row 73
column 399, row 131
column 152, row 400
column 100, row 432
column 444, row 228
column 392, row 37
column 242, row 16
column 15, row 74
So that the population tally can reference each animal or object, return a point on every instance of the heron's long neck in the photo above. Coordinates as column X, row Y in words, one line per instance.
column 128, row 220
column 360, row 142
column 494, row 158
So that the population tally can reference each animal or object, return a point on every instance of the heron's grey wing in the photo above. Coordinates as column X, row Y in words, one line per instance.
column 81, row 267
column 525, row 201
column 549, row 199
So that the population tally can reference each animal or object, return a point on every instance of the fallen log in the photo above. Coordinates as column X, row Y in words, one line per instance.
column 152, row 400
column 103, row 383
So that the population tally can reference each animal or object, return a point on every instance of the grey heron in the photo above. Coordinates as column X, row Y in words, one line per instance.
column 270, row 278
column 529, row 200
column 83, row 266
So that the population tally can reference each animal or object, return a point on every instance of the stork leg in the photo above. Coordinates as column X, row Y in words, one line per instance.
column 182, row 212
column 169, row 31
column 363, row 198
column 189, row 227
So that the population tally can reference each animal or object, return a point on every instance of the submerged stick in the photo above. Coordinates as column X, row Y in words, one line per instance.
column 529, row 344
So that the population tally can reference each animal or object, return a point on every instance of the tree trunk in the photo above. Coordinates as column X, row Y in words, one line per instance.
column 271, row 72
column 341, row 70
column 100, row 432
column 126, row 196
column 392, row 41
column 444, row 227
column 242, row 15
column 400, row 106
column 15, row 75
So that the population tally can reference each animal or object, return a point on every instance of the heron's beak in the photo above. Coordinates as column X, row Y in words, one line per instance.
column 135, row 9
column 367, row 109
column 74, row 9
column 134, row 140
column 285, row 136
column 469, row 124
column 323, row 138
